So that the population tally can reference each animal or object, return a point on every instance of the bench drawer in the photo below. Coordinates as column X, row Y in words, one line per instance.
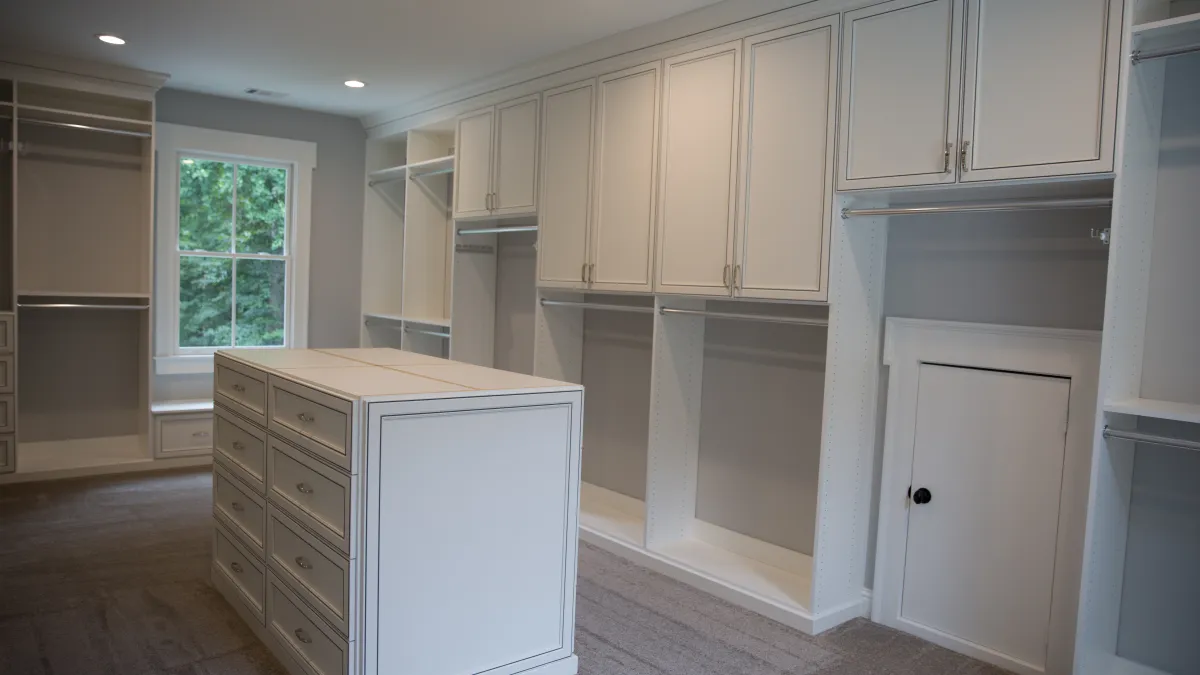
column 184, row 434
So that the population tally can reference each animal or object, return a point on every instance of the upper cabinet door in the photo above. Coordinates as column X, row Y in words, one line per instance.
column 785, row 207
column 473, row 164
column 566, row 185
column 1041, row 88
column 701, row 105
column 900, row 94
column 514, row 176
column 623, row 192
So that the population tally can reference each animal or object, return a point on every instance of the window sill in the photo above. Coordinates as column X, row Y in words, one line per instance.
column 191, row 364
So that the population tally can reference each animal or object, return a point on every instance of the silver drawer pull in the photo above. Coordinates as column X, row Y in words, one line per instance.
column 200, row 434
column 239, row 388
column 237, row 506
column 303, row 637
column 306, row 418
column 303, row 563
column 304, row 488
column 238, row 445
column 236, row 566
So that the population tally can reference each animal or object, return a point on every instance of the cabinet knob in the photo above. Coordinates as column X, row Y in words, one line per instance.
column 237, row 506
column 240, row 388
column 305, row 417
column 303, row 563
column 922, row 496
column 304, row 488
column 236, row 566
column 200, row 434
column 238, row 445
column 302, row 636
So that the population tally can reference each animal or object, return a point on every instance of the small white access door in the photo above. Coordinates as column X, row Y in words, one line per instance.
column 983, row 519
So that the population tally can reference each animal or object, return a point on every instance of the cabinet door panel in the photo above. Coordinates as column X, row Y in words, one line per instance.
column 473, row 164
column 515, row 172
column 787, row 162
column 699, row 168
column 566, row 184
column 900, row 94
column 1039, row 101
column 623, row 201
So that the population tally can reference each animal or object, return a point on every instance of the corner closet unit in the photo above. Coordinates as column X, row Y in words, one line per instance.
column 1140, row 588
column 80, row 215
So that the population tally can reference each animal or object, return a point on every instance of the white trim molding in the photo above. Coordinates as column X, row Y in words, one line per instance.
column 300, row 157
column 1073, row 354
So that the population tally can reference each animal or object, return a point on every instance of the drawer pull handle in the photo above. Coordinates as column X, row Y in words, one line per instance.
column 305, row 417
column 237, row 506
column 303, row 637
column 303, row 563
column 200, row 434
column 236, row 566
column 239, row 388
column 304, row 488
column 238, row 445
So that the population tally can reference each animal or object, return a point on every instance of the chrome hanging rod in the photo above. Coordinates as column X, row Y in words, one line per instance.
column 1153, row 439
column 84, row 127
column 597, row 305
column 1028, row 205
column 729, row 316
column 497, row 230
column 1139, row 55
column 73, row 305
column 422, row 331
column 435, row 172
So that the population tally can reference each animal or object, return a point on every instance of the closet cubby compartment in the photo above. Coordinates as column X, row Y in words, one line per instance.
column 494, row 296
column 37, row 98
column 605, row 343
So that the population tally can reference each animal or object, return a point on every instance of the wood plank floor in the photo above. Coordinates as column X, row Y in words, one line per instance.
column 110, row 576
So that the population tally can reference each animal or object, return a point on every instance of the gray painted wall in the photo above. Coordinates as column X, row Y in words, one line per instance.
column 337, row 196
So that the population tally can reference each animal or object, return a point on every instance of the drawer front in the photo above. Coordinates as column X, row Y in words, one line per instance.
column 7, row 366
column 8, row 324
column 242, row 387
column 8, row 417
column 303, row 632
column 317, row 495
column 240, row 507
column 312, row 568
column 242, row 445
column 8, row 453
column 184, row 434
column 239, row 567
column 312, row 419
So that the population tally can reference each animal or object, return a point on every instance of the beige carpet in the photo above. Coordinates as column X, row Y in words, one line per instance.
column 109, row 576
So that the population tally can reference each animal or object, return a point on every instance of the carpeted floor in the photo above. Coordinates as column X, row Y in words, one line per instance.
column 109, row 576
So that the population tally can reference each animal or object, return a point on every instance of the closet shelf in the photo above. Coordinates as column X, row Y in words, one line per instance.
column 166, row 407
column 388, row 175
column 84, row 122
column 1169, row 37
column 789, row 589
column 1162, row 410
column 1184, row 26
column 612, row 515
column 430, row 167
column 399, row 318
column 79, row 294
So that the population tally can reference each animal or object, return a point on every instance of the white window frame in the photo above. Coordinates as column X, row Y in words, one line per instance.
column 174, row 142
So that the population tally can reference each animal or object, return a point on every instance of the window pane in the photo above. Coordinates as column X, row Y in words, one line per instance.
column 205, row 301
column 260, row 300
column 261, row 209
column 205, row 205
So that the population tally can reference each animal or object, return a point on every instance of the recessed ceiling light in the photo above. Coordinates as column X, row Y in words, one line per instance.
column 110, row 39
column 355, row 84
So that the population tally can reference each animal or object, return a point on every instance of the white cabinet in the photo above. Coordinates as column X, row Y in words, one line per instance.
column 785, row 201
column 496, row 161
column 1038, row 98
column 567, row 114
column 626, row 146
column 900, row 94
column 1037, row 95
column 697, row 184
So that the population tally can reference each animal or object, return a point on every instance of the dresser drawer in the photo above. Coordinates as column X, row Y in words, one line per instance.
column 314, row 420
column 242, row 446
column 242, row 388
column 244, row 511
column 183, row 434
column 315, row 494
column 318, row 573
column 302, row 632
column 7, row 369
column 8, row 413
column 8, row 324
column 239, row 568
column 8, row 453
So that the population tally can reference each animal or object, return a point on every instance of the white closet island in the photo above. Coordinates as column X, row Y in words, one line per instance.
column 380, row 511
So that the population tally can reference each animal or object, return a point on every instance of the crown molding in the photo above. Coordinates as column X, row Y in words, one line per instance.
column 86, row 75
column 632, row 47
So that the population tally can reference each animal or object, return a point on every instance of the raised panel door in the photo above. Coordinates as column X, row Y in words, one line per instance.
column 473, row 164
column 514, row 175
column 701, row 105
column 567, row 115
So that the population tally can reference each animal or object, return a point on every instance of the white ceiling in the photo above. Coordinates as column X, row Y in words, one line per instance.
column 403, row 49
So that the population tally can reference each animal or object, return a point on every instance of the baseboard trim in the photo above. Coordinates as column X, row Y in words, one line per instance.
column 105, row 469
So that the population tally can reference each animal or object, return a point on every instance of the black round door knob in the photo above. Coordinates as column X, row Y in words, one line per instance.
column 922, row 496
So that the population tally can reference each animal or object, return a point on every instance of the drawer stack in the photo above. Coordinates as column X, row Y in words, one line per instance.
column 282, row 484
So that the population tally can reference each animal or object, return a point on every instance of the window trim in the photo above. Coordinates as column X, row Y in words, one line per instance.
column 174, row 141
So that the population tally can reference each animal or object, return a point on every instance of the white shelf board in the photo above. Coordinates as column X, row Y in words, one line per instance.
column 80, row 294
column 1122, row 666
column 169, row 407
column 612, row 514
column 1175, row 28
column 387, row 175
column 428, row 321
column 781, row 587
column 382, row 316
column 1163, row 410
column 439, row 164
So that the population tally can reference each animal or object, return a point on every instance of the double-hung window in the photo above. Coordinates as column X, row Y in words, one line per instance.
column 232, row 244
